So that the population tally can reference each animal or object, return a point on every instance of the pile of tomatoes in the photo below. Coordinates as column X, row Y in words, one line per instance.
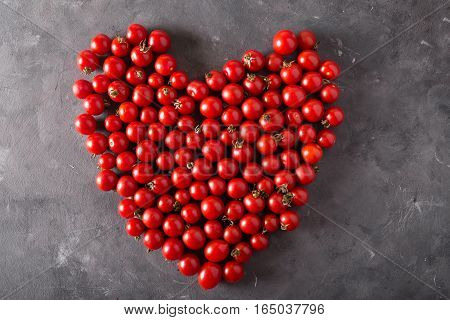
column 207, row 169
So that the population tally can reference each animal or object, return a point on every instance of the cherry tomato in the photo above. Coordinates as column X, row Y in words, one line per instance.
column 293, row 118
column 212, row 207
column 144, row 198
column 285, row 178
column 306, row 133
column 290, row 159
column 134, row 227
column 300, row 196
column 250, row 223
column 232, row 234
column 271, row 121
column 168, row 116
column 125, row 161
column 87, row 61
column 136, row 131
column 146, row 151
column 94, row 104
column 266, row 145
column 308, row 60
column 274, row 62
column 233, row 94
column 254, row 203
column 234, row 210
column 326, row 138
column 159, row 41
column 106, row 161
column 120, row 47
column 202, row 169
column 100, row 83
column 172, row 249
column 329, row 93
column 183, row 156
column 153, row 239
column 198, row 190
column 291, row 73
column 242, row 252
column 252, row 173
column 198, row 90
column 252, row 108
column 183, row 197
column 173, row 225
column 305, row 174
column 216, row 250
column 189, row 264
column 179, row 80
column 185, row 105
column 210, row 128
column 284, row 42
column 152, row 218
column 213, row 229
column 160, row 184
column 155, row 80
column 234, row 70
column 181, row 177
column 232, row 116
column 272, row 99
column 249, row 131
column 253, row 60
column 136, row 33
column 194, row 238
column 85, row 124
column 271, row 222
column 166, row 95
column 143, row 173
column 289, row 220
column 141, row 55
column 211, row 107
column 293, row 96
column 174, row 140
column 101, row 44
column 330, row 70
column 313, row 110
column 210, row 275
column 191, row 213
column 127, row 208
column 118, row 91
column 213, row 150
column 96, row 143
column 254, row 85
column 81, row 88
column 165, row 161
column 312, row 81
column 126, row 186
column 237, row 188
column 165, row 64
column 333, row 116
column 215, row 80
column 259, row 242
column 114, row 67
column 106, row 180
column 306, row 40
column 271, row 164
column 227, row 168
column 311, row 153
column 166, row 203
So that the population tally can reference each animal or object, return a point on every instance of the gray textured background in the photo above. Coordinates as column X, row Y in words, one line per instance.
column 380, row 224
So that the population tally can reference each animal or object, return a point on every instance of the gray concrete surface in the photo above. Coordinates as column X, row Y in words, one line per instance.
column 378, row 225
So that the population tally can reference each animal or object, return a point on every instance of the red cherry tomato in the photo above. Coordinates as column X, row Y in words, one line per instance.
column 106, row 180
column 330, row 70
column 172, row 249
column 159, row 41
column 189, row 265
column 284, row 42
column 82, row 88
column 216, row 250
column 114, row 67
column 136, row 33
column 194, row 238
column 234, row 70
column 210, row 275
column 134, row 227
column 85, row 124
column 306, row 40
column 101, row 44
column 215, row 80
column 311, row 153
column 87, row 61
column 293, row 96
